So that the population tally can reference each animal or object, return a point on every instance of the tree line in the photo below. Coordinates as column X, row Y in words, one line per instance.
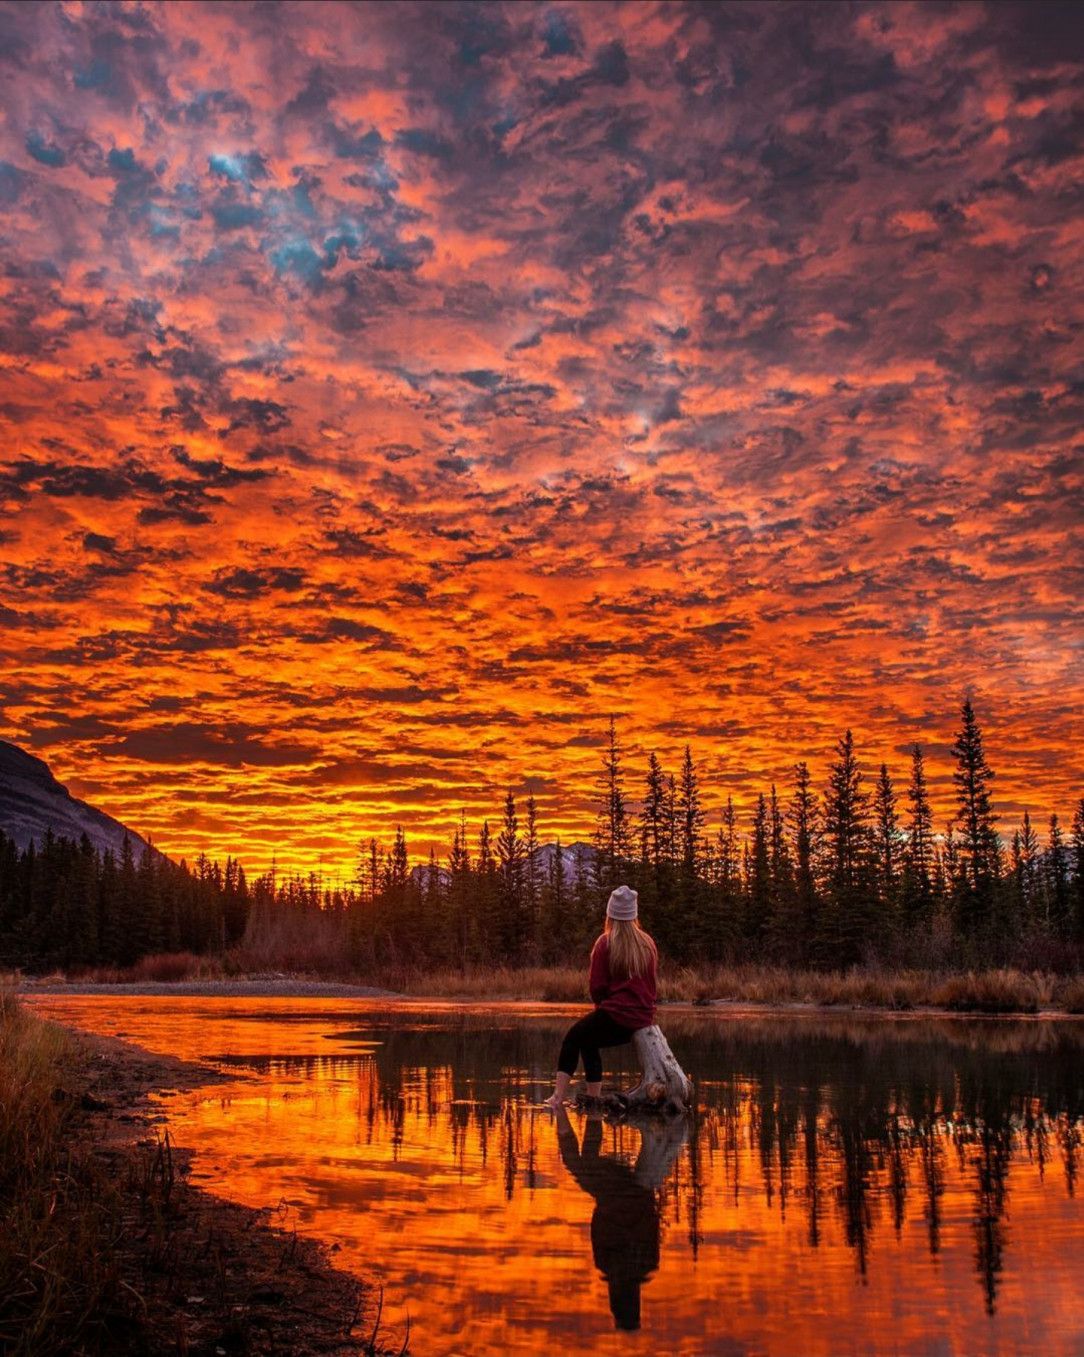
column 64, row 903
column 852, row 872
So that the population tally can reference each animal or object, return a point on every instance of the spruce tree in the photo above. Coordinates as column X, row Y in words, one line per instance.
column 559, row 905
column 917, row 889
column 847, row 838
column 690, row 818
column 1078, row 871
column 127, row 906
column 83, row 941
column 652, row 835
column 782, row 913
column 513, row 933
column 1032, row 911
column 887, row 839
column 531, row 877
column 1057, row 880
column 652, row 813
column 725, row 919
column 979, row 851
column 150, row 935
column 759, row 928
column 803, row 819
column 459, row 893
column 488, row 907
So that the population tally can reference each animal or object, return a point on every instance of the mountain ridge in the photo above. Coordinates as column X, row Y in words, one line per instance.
column 32, row 802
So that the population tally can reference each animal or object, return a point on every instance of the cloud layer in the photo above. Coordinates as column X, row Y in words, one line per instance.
column 391, row 392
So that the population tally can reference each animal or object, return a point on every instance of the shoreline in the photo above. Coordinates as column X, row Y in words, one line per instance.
column 306, row 988
column 210, row 1274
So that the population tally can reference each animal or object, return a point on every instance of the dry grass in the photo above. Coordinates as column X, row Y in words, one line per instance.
column 995, row 991
column 100, row 1246
column 1069, row 994
column 1001, row 990
column 59, row 1222
column 168, row 967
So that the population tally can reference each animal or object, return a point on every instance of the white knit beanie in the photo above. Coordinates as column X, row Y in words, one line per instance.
column 622, row 903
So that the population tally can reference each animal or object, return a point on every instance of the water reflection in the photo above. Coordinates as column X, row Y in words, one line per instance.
column 845, row 1186
column 625, row 1221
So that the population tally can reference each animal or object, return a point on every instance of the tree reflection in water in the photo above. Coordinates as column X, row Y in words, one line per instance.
column 908, row 1156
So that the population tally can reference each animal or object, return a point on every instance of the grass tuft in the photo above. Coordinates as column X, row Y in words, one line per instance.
column 59, row 1214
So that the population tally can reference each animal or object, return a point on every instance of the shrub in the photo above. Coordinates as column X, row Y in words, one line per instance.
column 997, row 991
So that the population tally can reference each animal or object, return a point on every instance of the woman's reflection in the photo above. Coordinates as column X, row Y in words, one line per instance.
column 625, row 1224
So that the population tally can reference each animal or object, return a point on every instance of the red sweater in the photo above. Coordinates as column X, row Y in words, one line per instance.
column 630, row 1002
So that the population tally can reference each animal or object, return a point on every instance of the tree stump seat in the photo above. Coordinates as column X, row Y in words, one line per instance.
column 664, row 1086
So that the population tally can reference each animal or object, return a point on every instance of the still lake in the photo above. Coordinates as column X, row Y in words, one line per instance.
column 848, row 1186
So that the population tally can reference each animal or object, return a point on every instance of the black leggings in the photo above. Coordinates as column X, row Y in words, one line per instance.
column 585, row 1038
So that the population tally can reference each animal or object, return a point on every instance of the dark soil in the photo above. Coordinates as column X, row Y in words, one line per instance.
column 202, row 1276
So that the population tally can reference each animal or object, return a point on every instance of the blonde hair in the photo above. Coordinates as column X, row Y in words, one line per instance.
column 631, row 950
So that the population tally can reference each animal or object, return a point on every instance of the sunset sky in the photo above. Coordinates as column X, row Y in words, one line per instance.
column 391, row 392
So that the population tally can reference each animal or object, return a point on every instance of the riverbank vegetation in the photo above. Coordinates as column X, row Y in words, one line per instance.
column 105, row 1246
column 59, row 1210
column 854, row 874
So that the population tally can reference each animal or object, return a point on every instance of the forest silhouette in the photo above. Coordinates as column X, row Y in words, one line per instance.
column 853, row 874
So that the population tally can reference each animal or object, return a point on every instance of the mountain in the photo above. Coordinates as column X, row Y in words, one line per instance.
column 544, row 857
column 32, row 802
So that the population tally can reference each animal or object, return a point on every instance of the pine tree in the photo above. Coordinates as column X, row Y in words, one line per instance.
column 670, row 824
column 760, row 925
column 513, row 932
column 488, row 907
column 847, row 839
column 1078, row 870
column 1057, row 880
column 559, row 903
column 583, row 912
column 979, row 844
column 803, row 818
column 531, row 880
column 917, row 888
column 949, row 865
column 652, row 815
column 652, row 837
column 150, row 935
column 1026, row 866
column 888, row 839
column 724, row 921
column 459, row 893
column 82, row 943
column 784, row 943
column 127, row 906
column 690, row 820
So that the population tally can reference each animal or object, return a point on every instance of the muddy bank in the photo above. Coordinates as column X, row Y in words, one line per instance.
column 205, row 1276
column 290, row 988
column 284, row 987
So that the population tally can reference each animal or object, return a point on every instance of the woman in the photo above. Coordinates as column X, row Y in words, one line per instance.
column 622, row 984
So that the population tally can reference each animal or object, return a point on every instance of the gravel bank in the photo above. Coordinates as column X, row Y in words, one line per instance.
column 259, row 988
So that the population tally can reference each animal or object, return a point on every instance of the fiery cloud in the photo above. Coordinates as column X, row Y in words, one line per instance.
column 391, row 392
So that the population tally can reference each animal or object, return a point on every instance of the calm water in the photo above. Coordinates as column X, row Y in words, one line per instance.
column 848, row 1186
